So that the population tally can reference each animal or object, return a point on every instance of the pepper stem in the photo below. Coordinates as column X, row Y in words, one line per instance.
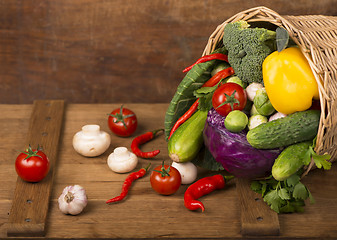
column 157, row 131
column 228, row 178
column 147, row 167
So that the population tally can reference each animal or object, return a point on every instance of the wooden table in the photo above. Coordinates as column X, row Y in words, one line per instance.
column 144, row 214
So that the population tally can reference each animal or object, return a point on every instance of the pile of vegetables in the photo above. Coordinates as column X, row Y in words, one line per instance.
column 247, row 108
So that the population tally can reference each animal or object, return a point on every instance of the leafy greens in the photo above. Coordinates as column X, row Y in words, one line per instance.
column 289, row 195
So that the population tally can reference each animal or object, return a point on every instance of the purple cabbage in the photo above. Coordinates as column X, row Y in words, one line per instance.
column 233, row 151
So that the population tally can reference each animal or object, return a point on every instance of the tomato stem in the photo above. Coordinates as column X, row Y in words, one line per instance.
column 31, row 153
column 231, row 100
column 164, row 172
column 120, row 118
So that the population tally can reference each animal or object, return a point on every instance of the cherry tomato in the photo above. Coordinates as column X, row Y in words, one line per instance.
column 228, row 97
column 165, row 179
column 32, row 165
column 122, row 122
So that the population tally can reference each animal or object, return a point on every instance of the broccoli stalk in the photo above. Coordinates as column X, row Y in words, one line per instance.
column 247, row 49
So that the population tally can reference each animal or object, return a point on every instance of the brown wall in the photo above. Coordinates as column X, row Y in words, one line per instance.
column 100, row 51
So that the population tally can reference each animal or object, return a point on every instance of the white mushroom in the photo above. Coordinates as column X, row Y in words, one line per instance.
column 121, row 160
column 91, row 141
column 188, row 171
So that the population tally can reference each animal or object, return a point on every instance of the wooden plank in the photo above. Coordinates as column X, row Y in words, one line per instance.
column 257, row 219
column 30, row 204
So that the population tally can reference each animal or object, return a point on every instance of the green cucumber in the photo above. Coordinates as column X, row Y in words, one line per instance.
column 294, row 128
column 290, row 160
column 186, row 142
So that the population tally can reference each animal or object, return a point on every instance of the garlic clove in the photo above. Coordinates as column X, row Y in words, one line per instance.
column 91, row 141
column 121, row 160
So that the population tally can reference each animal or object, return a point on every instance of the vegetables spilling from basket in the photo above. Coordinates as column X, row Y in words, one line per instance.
column 250, row 113
column 248, row 108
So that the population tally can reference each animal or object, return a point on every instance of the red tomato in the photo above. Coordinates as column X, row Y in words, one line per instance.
column 165, row 179
column 122, row 122
column 229, row 97
column 32, row 165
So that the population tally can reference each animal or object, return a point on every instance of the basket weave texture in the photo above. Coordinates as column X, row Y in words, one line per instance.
column 316, row 36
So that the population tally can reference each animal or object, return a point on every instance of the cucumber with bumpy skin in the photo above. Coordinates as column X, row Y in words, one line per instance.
column 294, row 128
column 186, row 142
column 290, row 160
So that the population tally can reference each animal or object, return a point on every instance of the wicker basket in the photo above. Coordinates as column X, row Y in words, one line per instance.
column 316, row 35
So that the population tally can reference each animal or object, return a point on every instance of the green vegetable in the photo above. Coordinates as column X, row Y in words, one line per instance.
column 289, row 194
column 184, row 97
column 219, row 67
column 236, row 121
column 262, row 103
column 253, row 111
column 294, row 157
column 186, row 142
column 283, row 196
column 256, row 120
column 237, row 80
column 247, row 48
column 282, row 38
column 205, row 97
column 290, row 160
column 206, row 161
column 294, row 128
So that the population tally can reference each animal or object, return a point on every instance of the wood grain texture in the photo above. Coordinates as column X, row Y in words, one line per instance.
column 257, row 219
column 30, row 203
column 144, row 214
column 89, row 51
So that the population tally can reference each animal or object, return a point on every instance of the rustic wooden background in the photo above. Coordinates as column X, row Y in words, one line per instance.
column 100, row 51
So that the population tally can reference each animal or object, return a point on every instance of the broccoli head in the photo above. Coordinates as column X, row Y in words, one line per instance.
column 247, row 48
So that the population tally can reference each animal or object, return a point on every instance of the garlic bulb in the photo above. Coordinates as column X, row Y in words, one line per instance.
column 73, row 200
column 122, row 160
column 91, row 141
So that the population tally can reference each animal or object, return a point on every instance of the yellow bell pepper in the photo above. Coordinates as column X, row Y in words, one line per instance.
column 289, row 81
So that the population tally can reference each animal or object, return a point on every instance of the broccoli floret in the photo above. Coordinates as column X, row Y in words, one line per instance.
column 247, row 48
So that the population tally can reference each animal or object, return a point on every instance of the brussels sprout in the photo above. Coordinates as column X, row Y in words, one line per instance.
column 262, row 103
column 253, row 111
column 219, row 67
column 236, row 121
column 237, row 80
column 256, row 120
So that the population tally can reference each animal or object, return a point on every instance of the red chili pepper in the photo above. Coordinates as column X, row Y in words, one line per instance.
column 127, row 184
column 206, row 58
column 214, row 80
column 203, row 187
column 143, row 139
column 184, row 117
